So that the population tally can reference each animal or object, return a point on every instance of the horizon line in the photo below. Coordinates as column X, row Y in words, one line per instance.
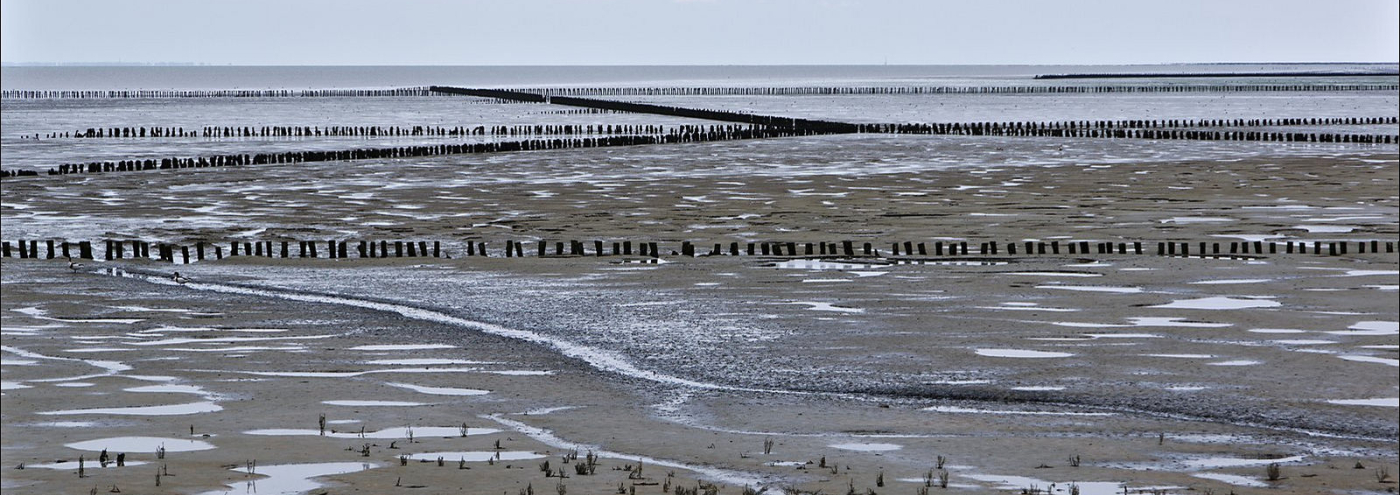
column 206, row 64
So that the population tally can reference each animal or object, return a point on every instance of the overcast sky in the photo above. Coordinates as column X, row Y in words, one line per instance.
column 638, row 32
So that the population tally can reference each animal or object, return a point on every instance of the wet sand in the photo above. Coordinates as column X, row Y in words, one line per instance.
column 1000, row 366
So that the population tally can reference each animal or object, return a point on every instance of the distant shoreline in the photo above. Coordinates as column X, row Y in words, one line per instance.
column 1213, row 74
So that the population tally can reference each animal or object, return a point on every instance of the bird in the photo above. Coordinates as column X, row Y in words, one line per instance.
column 179, row 279
column 73, row 265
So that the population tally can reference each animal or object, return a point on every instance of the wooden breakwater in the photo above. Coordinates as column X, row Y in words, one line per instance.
column 950, row 90
column 698, row 91
column 1240, row 75
column 195, row 251
column 20, row 94
column 804, row 125
column 676, row 135
column 377, row 131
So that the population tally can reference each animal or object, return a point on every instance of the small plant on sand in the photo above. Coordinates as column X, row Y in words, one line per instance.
column 943, row 478
column 1073, row 489
column 928, row 478
column 160, row 452
column 561, row 489
column 1383, row 475
column 80, row 466
column 364, row 451
column 923, row 490
column 636, row 474
column 463, row 430
column 321, row 424
column 403, row 460
column 1161, row 438
column 528, row 490
column 440, row 461
column 880, row 479
column 939, row 462
column 622, row 488
column 1273, row 471
column 767, row 446
column 544, row 468
column 410, row 435
column 462, row 463
column 751, row 491
column 1074, row 460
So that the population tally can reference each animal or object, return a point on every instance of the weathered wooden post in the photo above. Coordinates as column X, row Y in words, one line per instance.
column 50, row 253
column 85, row 250
column 67, row 254
column 218, row 252
column 437, row 249
column 598, row 248
column 848, row 247
column 411, row 252
column 258, row 249
column 868, row 249
column 185, row 253
column 938, row 248
column 23, row 250
column 423, row 248
column 1011, row 249
column 627, row 248
column 655, row 253
column 687, row 249
column 733, row 248
column 763, row 246
column 6, row 249
column 398, row 249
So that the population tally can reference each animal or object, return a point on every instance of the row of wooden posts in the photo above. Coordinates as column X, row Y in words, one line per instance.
column 978, row 128
column 704, row 91
column 209, row 93
column 339, row 249
column 721, row 133
column 951, row 90
column 385, row 131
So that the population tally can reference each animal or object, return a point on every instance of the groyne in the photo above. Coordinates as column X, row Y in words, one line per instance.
column 870, row 251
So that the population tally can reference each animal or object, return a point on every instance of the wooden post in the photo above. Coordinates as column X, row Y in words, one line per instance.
column 471, row 248
column 330, row 246
column 598, row 248
column 963, row 244
column 411, row 252
column 750, row 249
column 616, row 248
column 344, row 248
column 85, row 250
column 50, row 252
column 848, row 248
column 792, row 248
column 257, row 249
column 763, row 246
column 67, row 255
column 655, row 253
column 437, row 249
column 938, row 248
column 23, row 250
column 1011, row 248
column 218, row 252
column 519, row 249
column 398, row 249
column 301, row 249
column 923, row 250
column 311, row 246
column 199, row 250
column 423, row 248
column 627, row 248
column 481, row 248
column 687, row 249
column 7, row 249
column 733, row 248
column 363, row 249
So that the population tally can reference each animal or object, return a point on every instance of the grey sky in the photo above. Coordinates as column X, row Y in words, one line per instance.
column 629, row 32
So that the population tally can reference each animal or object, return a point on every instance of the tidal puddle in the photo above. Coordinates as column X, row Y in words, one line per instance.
column 440, row 390
column 1220, row 303
column 387, row 433
column 1233, row 281
column 1182, row 356
column 867, row 447
column 811, row 264
column 821, row 306
column 372, row 403
column 1370, row 359
column 1025, row 484
column 423, row 362
column 89, row 464
column 477, row 456
column 401, row 347
column 1010, row 412
column 1232, row 479
column 290, row 478
column 1093, row 288
column 1369, row 328
column 1237, row 362
column 1378, row 402
column 167, row 410
column 1233, row 462
column 141, row 444
column 1021, row 353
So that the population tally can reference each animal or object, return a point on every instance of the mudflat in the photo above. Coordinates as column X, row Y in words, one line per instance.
column 881, row 372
